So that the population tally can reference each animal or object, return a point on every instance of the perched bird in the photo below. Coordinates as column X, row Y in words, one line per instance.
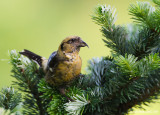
column 64, row 64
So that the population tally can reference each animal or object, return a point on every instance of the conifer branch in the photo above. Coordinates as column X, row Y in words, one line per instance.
column 149, row 93
column 112, row 85
column 27, row 74
column 10, row 99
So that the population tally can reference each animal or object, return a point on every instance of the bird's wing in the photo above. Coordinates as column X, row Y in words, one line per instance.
column 38, row 59
column 52, row 61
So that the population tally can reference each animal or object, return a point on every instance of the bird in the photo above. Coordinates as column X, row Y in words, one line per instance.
column 63, row 65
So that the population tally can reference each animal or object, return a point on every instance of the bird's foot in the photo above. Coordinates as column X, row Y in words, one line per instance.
column 63, row 92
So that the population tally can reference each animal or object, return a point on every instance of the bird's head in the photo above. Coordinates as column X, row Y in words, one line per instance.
column 72, row 44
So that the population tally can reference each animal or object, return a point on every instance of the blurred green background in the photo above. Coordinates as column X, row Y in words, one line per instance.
column 41, row 25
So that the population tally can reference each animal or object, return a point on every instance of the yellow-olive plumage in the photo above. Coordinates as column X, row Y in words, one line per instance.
column 64, row 65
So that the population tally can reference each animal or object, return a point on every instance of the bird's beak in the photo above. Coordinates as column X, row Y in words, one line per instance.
column 83, row 44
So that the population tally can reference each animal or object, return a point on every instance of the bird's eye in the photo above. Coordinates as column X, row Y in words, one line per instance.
column 71, row 41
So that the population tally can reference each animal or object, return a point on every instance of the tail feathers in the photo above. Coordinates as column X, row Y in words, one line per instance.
column 32, row 56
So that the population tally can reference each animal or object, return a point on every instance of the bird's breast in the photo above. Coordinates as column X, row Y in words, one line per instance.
column 66, row 71
column 70, row 68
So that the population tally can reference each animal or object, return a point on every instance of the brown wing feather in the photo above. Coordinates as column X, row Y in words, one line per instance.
column 32, row 56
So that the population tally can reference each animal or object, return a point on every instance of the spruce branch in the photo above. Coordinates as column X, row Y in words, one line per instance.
column 149, row 95
column 128, row 64
column 112, row 85
column 157, row 2
column 143, row 13
column 27, row 75
column 116, row 36
column 76, row 107
column 10, row 99
column 146, row 15
column 156, row 16
column 6, row 112
column 53, row 101
column 119, row 87
column 130, row 39
column 145, row 88
column 105, row 16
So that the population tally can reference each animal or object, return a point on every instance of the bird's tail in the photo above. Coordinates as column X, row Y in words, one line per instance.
column 32, row 56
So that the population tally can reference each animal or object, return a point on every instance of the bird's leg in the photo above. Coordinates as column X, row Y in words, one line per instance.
column 63, row 92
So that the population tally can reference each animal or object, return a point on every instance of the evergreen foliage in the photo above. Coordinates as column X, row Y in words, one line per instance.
column 9, row 100
column 112, row 85
column 27, row 77
column 51, row 97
